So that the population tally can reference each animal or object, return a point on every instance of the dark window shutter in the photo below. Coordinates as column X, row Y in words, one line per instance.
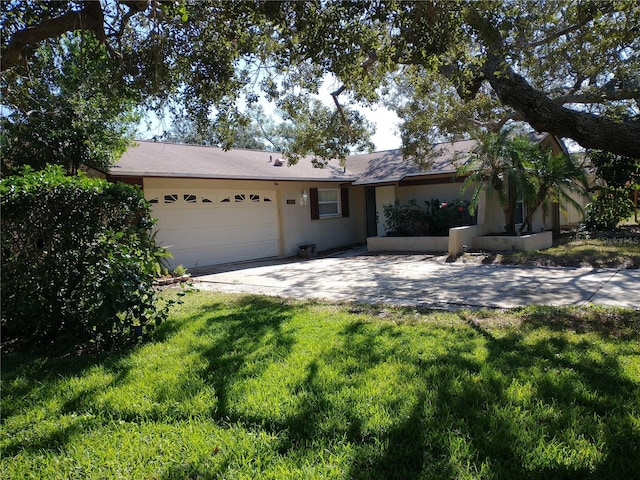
column 313, row 198
column 344, row 201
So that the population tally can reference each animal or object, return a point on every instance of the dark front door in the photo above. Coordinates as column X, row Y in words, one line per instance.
column 372, row 221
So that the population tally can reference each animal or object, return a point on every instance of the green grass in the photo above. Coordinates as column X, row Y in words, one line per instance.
column 242, row 387
column 577, row 252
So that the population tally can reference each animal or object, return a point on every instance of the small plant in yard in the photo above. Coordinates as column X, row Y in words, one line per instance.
column 257, row 387
column 179, row 271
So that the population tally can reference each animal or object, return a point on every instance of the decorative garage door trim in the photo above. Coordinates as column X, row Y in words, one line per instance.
column 211, row 198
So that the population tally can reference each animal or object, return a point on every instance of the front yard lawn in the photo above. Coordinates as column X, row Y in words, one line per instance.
column 243, row 387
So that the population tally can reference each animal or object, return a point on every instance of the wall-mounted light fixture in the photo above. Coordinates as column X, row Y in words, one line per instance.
column 304, row 198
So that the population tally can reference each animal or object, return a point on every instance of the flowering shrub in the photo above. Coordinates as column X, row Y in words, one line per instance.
column 434, row 218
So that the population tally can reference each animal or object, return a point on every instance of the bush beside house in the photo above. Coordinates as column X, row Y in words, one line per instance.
column 435, row 218
column 78, row 259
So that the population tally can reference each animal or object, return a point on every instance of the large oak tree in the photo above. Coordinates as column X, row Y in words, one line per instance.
column 566, row 67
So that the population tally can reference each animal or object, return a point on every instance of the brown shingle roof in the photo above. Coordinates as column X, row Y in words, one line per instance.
column 390, row 166
column 159, row 159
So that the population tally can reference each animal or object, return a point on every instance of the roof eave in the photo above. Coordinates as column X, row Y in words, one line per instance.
column 228, row 177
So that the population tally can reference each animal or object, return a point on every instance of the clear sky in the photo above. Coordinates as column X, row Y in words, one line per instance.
column 386, row 121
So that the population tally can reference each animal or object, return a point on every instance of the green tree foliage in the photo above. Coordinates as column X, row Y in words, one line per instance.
column 256, row 131
column 565, row 67
column 619, row 178
column 568, row 68
column 66, row 111
column 78, row 259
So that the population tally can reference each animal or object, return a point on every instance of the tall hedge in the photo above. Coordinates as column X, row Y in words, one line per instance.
column 78, row 259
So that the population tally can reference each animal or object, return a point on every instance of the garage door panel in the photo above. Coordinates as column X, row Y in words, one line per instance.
column 191, row 219
column 219, row 236
column 193, row 257
column 199, row 234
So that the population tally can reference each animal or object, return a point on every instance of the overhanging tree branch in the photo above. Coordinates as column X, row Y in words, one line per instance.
column 542, row 112
column 587, row 98
column 601, row 8
column 546, row 115
column 89, row 18
column 371, row 59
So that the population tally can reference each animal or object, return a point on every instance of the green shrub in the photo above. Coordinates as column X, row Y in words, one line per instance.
column 179, row 271
column 435, row 218
column 78, row 259
column 608, row 208
column 612, row 204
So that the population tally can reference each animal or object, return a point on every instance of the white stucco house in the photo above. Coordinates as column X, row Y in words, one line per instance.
column 215, row 206
column 386, row 176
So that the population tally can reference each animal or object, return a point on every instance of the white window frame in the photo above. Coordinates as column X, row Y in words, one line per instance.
column 335, row 202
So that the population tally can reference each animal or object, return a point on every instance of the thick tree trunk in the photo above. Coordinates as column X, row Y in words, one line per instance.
column 545, row 115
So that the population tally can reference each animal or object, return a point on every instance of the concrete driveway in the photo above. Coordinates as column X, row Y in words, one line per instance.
column 422, row 280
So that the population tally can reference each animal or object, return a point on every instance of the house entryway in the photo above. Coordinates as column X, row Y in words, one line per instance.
column 376, row 199
column 207, row 227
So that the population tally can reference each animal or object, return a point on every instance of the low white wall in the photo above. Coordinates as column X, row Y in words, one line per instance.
column 459, row 237
column 471, row 236
column 407, row 244
column 535, row 241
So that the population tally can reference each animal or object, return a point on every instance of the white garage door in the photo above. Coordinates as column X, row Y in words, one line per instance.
column 208, row 227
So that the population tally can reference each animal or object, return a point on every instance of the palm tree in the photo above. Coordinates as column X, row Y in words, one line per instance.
column 555, row 177
column 501, row 161
column 518, row 169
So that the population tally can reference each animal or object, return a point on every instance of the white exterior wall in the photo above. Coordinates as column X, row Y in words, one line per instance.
column 490, row 212
column 445, row 192
column 492, row 216
column 569, row 215
column 294, row 224
column 298, row 228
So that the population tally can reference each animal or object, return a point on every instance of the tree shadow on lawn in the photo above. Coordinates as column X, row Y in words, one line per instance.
column 452, row 414
column 434, row 403
column 36, row 382
column 252, row 333
column 623, row 324
column 412, row 402
column 468, row 419
column 33, row 383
